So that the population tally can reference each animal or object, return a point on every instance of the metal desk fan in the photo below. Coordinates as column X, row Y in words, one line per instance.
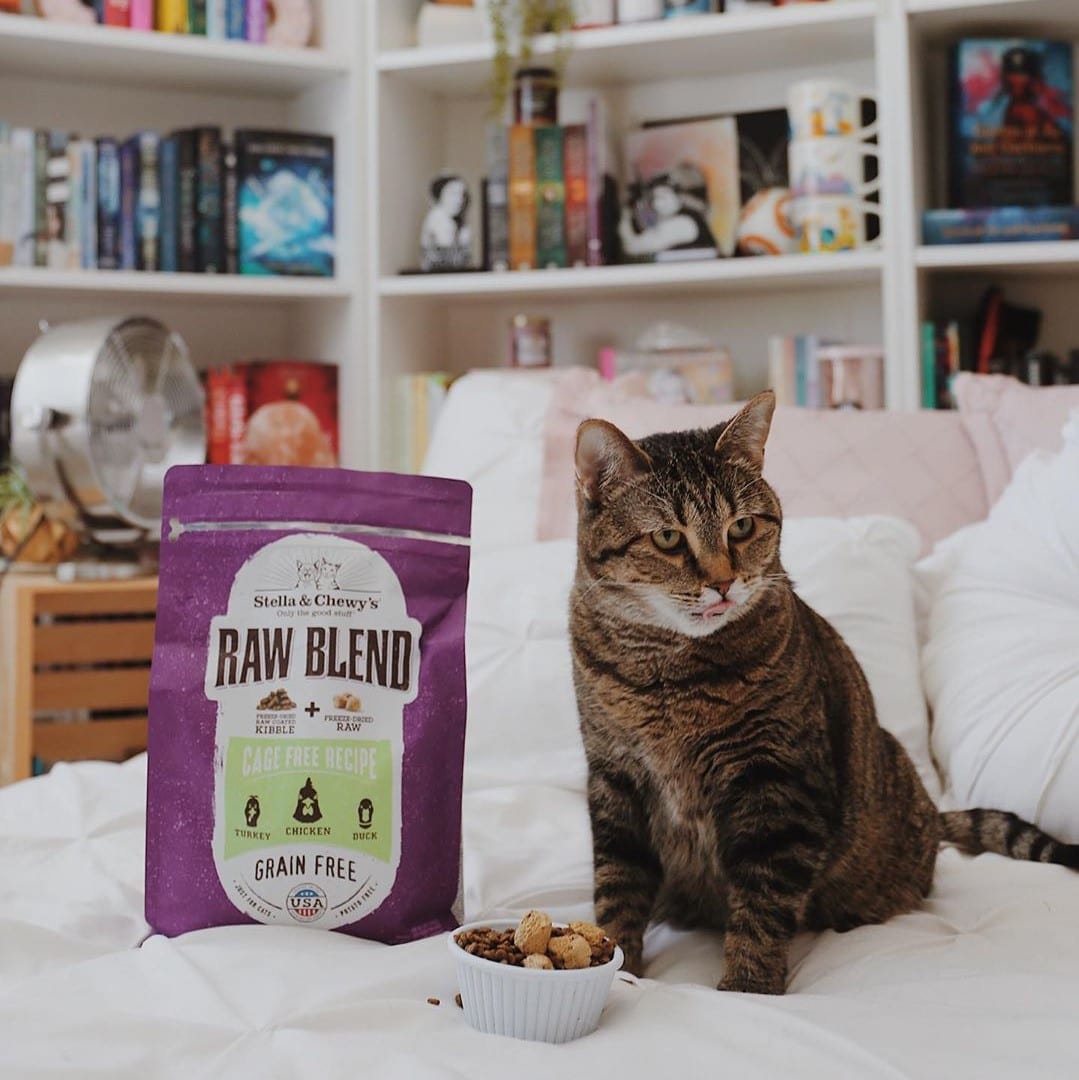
column 100, row 410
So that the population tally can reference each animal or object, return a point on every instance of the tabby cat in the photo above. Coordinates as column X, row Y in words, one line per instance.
column 738, row 778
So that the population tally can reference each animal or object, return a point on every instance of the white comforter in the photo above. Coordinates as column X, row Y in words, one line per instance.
column 984, row 982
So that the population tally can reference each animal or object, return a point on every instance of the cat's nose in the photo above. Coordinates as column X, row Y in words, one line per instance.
column 723, row 587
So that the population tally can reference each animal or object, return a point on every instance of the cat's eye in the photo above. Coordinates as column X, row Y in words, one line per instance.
column 668, row 539
column 741, row 529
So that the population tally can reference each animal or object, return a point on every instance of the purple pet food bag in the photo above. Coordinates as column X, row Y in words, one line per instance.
column 307, row 702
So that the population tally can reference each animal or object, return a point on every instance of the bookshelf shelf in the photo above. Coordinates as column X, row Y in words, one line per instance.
column 708, row 44
column 1058, row 257
column 33, row 46
column 211, row 287
column 755, row 274
column 997, row 16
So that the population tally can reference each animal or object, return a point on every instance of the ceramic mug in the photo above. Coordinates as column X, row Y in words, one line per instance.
column 830, row 166
column 818, row 108
column 832, row 222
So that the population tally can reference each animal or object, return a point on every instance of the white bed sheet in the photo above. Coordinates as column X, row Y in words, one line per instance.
column 983, row 982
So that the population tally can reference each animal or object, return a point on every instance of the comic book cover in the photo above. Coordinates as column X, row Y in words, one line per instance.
column 1012, row 125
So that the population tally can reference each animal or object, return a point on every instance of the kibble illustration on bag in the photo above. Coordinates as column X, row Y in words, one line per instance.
column 307, row 702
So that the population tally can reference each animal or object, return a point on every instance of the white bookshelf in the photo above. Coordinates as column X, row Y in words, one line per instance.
column 97, row 80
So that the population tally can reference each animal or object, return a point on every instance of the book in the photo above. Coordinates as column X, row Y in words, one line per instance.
column 231, row 210
column 782, row 376
column 550, row 198
column 41, row 236
column 187, row 205
column 602, row 203
column 73, row 217
column 236, row 19
column 23, row 143
column 417, row 403
column 88, row 210
column 683, row 193
column 1001, row 225
column 672, row 9
column 286, row 203
column 169, row 228
column 929, row 365
column 255, row 21
column 763, row 139
column 130, row 170
column 142, row 14
column 148, row 205
column 116, row 13
column 217, row 25
column 172, row 16
column 496, row 253
column 1012, row 123
column 57, row 200
column 196, row 17
column 210, row 238
column 108, row 204
column 522, row 198
column 575, row 170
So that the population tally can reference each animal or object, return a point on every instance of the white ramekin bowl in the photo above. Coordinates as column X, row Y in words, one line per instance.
column 526, row 1003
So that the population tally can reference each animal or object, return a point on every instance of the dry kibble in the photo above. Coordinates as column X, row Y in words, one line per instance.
column 458, row 1002
column 533, row 933
column 538, row 961
column 589, row 931
column 433, row 1001
column 570, row 951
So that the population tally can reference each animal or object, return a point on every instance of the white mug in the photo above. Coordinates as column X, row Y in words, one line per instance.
column 818, row 108
column 832, row 222
column 830, row 166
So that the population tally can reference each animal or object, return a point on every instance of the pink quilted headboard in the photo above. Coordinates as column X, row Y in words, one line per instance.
column 920, row 466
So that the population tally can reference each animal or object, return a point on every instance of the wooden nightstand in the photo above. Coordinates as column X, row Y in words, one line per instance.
column 74, row 669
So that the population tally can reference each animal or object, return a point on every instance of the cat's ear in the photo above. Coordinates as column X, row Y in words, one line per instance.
column 744, row 436
column 606, row 459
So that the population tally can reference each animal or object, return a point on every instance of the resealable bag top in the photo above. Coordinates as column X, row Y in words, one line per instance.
column 307, row 701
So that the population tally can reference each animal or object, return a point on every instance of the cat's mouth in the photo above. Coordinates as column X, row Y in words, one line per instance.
column 720, row 607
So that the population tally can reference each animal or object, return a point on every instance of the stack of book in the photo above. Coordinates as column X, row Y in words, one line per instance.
column 238, row 20
column 190, row 201
column 803, row 370
column 548, row 197
column 794, row 371
column 417, row 402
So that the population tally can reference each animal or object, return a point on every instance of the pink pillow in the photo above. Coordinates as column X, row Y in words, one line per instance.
column 919, row 466
column 1007, row 421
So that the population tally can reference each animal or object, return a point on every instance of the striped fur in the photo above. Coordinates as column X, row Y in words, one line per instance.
column 738, row 778
column 1002, row 833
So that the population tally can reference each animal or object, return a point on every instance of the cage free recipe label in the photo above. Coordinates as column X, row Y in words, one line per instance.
column 311, row 668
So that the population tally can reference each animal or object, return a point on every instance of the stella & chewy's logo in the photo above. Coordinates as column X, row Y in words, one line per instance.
column 306, row 903
column 316, row 582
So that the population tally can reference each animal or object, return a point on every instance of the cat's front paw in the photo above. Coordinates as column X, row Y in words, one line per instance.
column 634, row 958
column 755, row 984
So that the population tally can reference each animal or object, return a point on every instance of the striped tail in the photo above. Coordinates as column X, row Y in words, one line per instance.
column 1002, row 833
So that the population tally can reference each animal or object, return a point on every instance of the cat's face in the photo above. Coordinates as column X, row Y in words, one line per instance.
column 680, row 530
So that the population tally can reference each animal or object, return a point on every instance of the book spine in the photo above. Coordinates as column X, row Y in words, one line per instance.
column 149, row 202
column 217, row 417
column 187, row 214
column 129, row 204
column 812, row 370
column 929, row 366
column 196, row 17
column 597, row 163
column 231, row 210
column 800, row 371
column 88, row 239
column 108, row 204
column 522, row 198
column 57, row 198
column 210, row 232
column 73, row 218
column 256, row 18
column 496, row 202
column 142, row 14
column 172, row 16
column 170, row 204
column 237, row 407
column 117, row 13
column 217, row 19
column 575, row 139
column 41, row 160
column 236, row 19
column 673, row 8
column 550, row 198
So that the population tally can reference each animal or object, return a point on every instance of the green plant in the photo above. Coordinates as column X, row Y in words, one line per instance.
column 521, row 21
column 15, row 493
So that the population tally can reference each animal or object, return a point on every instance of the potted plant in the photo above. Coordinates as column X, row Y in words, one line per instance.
column 514, row 25
column 27, row 533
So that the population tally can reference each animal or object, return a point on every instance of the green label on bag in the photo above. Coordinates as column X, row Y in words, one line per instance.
column 289, row 791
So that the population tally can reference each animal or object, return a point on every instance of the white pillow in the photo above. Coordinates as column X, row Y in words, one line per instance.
column 522, row 724
column 1001, row 664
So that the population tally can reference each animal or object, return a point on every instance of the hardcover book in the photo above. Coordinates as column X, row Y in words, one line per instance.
column 41, row 233
column 522, row 173
column 142, row 14
column 88, row 212
column 575, row 169
column 1012, row 130
column 73, row 217
column 196, row 17
column 550, row 198
column 170, row 204
column 496, row 235
column 130, row 170
column 117, row 13
column 217, row 24
column 149, row 201
column 1002, row 225
column 231, row 210
column 22, row 145
column 187, row 206
column 285, row 184
column 108, row 204
column 209, row 201
column 172, row 16
column 763, row 139
column 255, row 21
column 236, row 19
column 57, row 200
